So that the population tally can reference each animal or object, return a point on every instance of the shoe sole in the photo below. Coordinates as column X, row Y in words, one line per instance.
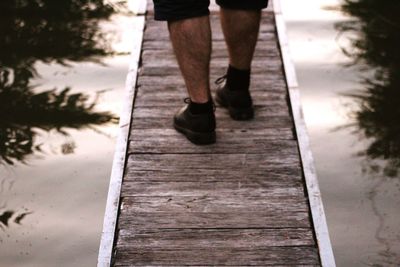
column 196, row 137
column 239, row 114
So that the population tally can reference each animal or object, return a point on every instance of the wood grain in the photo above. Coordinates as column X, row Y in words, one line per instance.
column 216, row 238
column 223, row 123
column 270, row 82
column 174, row 98
column 269, row 219
column 169, row 141
column 212, row 203
column 239, row 202
column 291, row 256
column 276, row 108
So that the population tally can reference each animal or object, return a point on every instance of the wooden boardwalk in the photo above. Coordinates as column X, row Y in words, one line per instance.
column 240, row 202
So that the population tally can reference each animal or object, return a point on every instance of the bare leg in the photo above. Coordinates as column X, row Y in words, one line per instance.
column 240, row 29
column 191, row 40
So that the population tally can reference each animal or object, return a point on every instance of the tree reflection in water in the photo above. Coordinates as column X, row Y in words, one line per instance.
column 48, row 31
column 376, row 47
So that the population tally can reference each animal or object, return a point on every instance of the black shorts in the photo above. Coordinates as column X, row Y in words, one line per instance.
column 182, row 9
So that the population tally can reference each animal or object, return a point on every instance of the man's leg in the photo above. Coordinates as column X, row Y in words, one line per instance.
column 191, row 40
column 240, row 28
column 240, row 22
column 190, row 33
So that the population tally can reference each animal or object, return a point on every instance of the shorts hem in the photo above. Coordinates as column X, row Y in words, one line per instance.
column 166, row 17
column 238, row 5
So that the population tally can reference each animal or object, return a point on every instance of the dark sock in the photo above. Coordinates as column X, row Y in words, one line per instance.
column 237, row 79
column 201, row 108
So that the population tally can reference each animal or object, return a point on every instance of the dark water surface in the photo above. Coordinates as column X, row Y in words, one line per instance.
column 62, row 72
column 348, row 65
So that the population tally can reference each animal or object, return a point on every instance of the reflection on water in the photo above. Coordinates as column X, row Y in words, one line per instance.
column 9, row 216
column 61, row 80
column 45, row 31
column 25, row 110
column 51, row 30
column 376, row 47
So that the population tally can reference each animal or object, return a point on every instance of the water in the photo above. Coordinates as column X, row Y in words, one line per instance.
column 56, row 149
column 359, row 181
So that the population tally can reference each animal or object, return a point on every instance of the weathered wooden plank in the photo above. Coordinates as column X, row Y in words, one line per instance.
column 217, row 256
column 239, row 134
column 242, row 211
column 270, row 82
column 217, row 54
column 260, row 123
column 274, row 109
column 270, row 219
column 259, row 188
column 170, row 68
column 165, row 45
column 150, row 55
column 283, row 174
column 244, row 162
column 265, row 118
column 215, row 238
column 169, row 141
column 257, row 65
column 212, row 162
column 278, row 176
column 177, row 86
column 151, row 58
column 158, row 93
column 178, row 144
column 236, row 171
column 168, row 57
column 174, row 98
column 212, row 203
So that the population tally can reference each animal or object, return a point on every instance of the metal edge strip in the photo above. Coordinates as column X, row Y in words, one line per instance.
column 314, row 194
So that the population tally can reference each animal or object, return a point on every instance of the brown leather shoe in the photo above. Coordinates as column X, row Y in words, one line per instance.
column 238, row 102
column 198, row 128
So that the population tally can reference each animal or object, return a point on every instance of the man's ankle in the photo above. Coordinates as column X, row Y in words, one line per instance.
column 237, row 79
column 201, row 108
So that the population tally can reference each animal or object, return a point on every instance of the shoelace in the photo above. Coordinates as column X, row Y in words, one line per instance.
column 221, row 79
column 187, row 100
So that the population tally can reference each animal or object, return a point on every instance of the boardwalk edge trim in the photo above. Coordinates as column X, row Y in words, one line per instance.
column 117, row 171
column 314, row 194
